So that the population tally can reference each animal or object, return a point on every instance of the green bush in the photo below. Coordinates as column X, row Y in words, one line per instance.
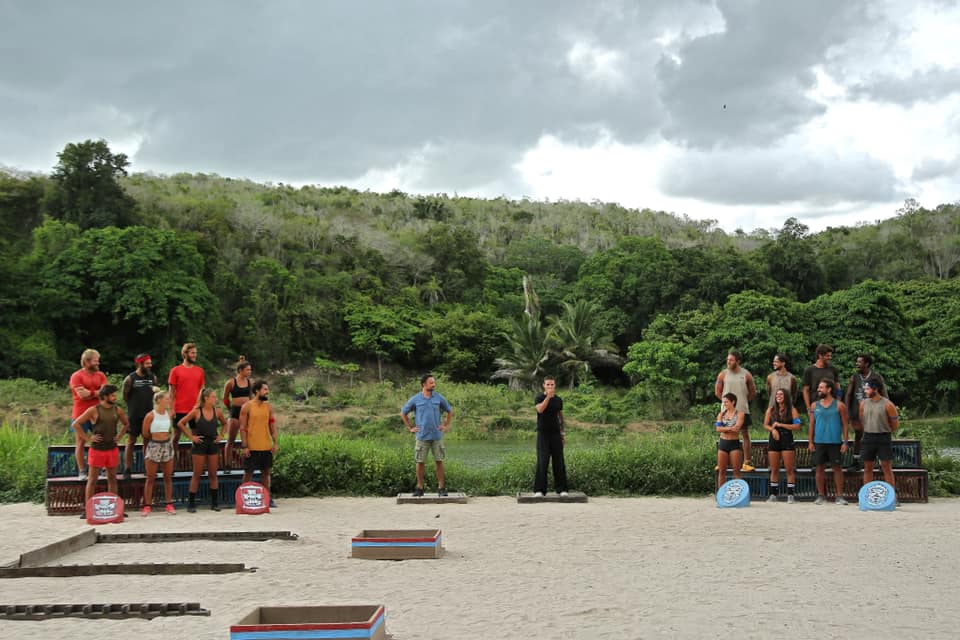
column 23, row 460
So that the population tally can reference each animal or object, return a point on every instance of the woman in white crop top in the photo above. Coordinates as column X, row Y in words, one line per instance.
column 158, row 451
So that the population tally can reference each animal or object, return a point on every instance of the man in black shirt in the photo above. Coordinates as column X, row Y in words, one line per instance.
column 138, row 390
column 818, row 371
column 550, row 439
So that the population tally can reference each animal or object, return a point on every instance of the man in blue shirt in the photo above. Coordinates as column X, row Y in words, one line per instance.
column 427, row 406
column 829, row 425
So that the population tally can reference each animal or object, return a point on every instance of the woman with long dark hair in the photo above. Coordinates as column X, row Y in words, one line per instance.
column 781, row 421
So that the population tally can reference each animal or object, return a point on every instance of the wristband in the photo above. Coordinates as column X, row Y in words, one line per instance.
column 796, row 421
column 718, row 423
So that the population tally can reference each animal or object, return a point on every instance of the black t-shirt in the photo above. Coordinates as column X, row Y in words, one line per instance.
column 549, row 420
column 813, row 374
column 140, row 400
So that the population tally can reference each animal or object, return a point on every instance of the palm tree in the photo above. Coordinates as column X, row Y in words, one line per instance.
column 577, row 341
column 528, row 353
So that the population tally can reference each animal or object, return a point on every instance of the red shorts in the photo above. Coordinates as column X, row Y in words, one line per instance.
column 108, row 459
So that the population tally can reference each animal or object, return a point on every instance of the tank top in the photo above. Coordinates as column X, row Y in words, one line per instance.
column 106, row 426
column 207, row 429
column 237, row 391
column 161, row 423
column 258, row 426
column 875, row 416
column 828, row 429
column 736, row 383
column 778, row 382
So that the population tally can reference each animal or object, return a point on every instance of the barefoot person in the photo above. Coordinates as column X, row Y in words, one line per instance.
column 208, row 427
column 138, row 390
column 880, row 420
column 729, row 450
column 185, row 380
column 550, row 440
column 102, row 438
column 236, row 393
column 158, row 453
column 737, row 380
column 85, row 384
column 258, row 435
column 427, row 406
column 828, row 438
column 781, row 420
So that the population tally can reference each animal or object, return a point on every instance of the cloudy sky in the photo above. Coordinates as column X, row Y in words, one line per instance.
column 743, row 111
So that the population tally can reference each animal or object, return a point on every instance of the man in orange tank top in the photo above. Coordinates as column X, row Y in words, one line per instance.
column 258, row 435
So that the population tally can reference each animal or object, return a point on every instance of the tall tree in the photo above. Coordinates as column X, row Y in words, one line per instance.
column 87, row 189
column 528, row 350
column 579, row 343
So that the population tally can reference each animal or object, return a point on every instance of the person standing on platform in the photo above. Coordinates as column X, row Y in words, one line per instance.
column 738, row 381
column 856, row 394
column 781, row 420
column 550, row 440
column 729, row 450
column 427, row 406
column 236, row 393
column 138, row 389
column 185, row 380
column 158, row 453
column 828, row 439
column 880, row 420
column 781, row 378
column 208, row 427
column 819, row 370
column 85, row 384
column 258, row 435
column 102, row 438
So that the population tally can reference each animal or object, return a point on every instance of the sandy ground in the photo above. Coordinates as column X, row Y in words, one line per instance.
column 611, row 568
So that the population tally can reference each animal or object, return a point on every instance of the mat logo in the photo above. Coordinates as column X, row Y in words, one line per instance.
column 876, row 494
column 104, row 508
column 732, row 492
column 253, row 497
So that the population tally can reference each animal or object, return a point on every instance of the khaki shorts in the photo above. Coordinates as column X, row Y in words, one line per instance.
column 433, row 446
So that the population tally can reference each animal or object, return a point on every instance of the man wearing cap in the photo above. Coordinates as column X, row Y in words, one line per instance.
column 880, row 421
column 855, row 396
column 138, row 390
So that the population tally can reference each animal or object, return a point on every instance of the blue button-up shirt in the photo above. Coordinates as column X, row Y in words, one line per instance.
column 427, row 414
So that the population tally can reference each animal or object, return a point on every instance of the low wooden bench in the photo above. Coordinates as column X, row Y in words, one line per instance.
column 61, row 462
column 906, row 454
column 911, row 484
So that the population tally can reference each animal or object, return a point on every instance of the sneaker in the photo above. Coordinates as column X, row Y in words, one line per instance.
column 716, row 467
column 791, row 499
column 841, row 500
column 83, row 516
column 564, row 494
column 820, row 500
column 418, row 492
column 127, row 474
column 273, row 503
column 169, row 509
column 772, row 498
column 746, row 466
column 441, row 492
column 191, row 508
column 146, row 511
column 537, row 494
column 82, row 474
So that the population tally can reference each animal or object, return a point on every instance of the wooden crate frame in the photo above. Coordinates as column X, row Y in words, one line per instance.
column 397, row 544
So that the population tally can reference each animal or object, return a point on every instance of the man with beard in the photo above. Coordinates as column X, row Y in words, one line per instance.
column 781, row 378
column 85, row 384
column 138, row 390
column 856, row 394
column 828, row 439
column 102, row 438
column 429, row 429
column 738, row 381
column 819, row 370
column 880, row 421
column 186, row 380
column 258, row 435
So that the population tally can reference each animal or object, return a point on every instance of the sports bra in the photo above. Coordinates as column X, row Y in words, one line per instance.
column 161, row 423
column 237, row 391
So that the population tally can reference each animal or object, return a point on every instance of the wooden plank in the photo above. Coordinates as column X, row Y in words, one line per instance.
column 242, row 536
column 67, row 571
column 116, row 611
column 573, row 496
column 455, row 497
column 51, row 552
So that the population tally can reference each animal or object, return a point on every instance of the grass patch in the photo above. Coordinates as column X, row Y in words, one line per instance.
column 23, row 464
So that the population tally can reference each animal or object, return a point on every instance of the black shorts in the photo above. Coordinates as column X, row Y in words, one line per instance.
column 876, row 445
column 136, row 425
column 785, row 443
column 235, row 413
column 747, row 421
column 729, row 445
column 206, row 447
column 826, row 453
column 258, row 461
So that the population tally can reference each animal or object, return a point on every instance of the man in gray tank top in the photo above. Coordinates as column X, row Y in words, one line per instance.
column 738, row 381
column 880, row 421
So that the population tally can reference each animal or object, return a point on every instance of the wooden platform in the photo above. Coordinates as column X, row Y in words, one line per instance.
column 455, row 497
column 356, row 622
column 574, row 496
